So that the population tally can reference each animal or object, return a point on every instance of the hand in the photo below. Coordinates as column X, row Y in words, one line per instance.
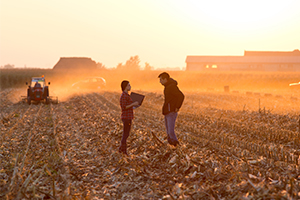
column 135, row 103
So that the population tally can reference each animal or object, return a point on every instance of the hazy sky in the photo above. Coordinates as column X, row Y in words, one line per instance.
column 36, row 33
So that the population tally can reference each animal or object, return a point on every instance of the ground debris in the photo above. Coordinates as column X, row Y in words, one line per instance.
column 70, row 151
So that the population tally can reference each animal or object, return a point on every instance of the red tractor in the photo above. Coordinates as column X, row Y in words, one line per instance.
column 38, row 91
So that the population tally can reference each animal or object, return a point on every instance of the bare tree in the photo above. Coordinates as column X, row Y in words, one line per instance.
column 132, row 64
column 148, row 67
column 100, row 66
column 8, row 66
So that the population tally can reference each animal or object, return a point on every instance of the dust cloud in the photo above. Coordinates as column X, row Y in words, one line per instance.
column 244, row 90
column 222, row 90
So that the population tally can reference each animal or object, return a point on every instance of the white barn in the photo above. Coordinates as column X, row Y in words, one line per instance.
column 251, row 61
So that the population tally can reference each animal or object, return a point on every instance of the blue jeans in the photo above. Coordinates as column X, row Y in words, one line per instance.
column 170, row 120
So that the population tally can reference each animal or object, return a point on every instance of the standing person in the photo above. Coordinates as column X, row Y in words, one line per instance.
column 127, row 114
column 173, row 101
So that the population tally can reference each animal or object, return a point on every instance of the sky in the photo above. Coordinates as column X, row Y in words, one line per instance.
column 36, row 33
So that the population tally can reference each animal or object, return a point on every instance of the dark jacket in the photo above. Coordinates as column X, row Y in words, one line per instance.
column 173, row 97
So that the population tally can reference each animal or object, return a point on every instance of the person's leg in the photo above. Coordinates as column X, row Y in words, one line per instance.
column 170, row 120
column 167, row 129
column 126, row 131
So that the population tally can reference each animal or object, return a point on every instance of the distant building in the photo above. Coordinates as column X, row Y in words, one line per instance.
column 75, row 63
column 251, row 61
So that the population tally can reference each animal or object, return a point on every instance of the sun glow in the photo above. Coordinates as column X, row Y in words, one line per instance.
column 232, row 15
column 161, row 33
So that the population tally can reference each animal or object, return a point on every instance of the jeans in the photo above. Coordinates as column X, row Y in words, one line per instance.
column 170, row 120
column 126, row 130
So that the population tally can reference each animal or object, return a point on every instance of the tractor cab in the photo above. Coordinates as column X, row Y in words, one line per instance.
column 38, row 91
column 38, row 82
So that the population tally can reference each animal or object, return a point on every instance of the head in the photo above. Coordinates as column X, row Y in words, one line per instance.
column 163, row 78
column 125, row 85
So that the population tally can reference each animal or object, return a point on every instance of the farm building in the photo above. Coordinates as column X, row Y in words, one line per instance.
column 251, row 61
column 75, row 63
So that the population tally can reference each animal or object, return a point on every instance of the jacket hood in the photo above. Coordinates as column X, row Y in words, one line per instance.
column 171, row 82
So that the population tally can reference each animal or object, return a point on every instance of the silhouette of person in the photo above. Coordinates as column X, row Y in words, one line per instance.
column 127, row 105
column 172, row 103
column 37, row 85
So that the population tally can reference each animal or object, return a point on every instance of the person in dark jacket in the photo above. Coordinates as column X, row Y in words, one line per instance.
column 127, row 105
column 37, row 85
column 173, row 102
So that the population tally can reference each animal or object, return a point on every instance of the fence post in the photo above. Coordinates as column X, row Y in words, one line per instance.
column 226, row 88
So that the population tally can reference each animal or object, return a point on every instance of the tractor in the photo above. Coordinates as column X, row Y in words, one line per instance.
column 38, row 91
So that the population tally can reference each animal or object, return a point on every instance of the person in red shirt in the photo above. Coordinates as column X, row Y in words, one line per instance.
column 127, row 105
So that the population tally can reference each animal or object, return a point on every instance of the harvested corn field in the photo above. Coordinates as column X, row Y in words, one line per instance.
column 231, row 147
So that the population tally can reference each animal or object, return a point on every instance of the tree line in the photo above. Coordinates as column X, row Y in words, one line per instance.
column 132, row 64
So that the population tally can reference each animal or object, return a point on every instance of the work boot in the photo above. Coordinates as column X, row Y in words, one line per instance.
column 123, row 149
column 173, row 142
column 176, row 143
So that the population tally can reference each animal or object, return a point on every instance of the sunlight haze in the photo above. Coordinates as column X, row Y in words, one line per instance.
column 35, row 33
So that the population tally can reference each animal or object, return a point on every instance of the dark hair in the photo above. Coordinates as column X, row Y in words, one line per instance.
column 164, row 75
column 124, row 84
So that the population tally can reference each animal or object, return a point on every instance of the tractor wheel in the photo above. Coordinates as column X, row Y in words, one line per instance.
column 29, row 100
column 47, row 100
column 46, row 91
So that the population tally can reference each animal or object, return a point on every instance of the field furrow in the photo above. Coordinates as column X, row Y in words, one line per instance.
column 70, row 151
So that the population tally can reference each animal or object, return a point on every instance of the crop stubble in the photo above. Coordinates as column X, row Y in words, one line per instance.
column 69, row 150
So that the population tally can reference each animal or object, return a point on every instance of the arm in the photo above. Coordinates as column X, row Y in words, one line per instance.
column 131, row 105
column 179, row 98
column 124, row 103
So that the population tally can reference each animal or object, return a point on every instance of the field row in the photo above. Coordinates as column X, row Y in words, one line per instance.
column 69, row 150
